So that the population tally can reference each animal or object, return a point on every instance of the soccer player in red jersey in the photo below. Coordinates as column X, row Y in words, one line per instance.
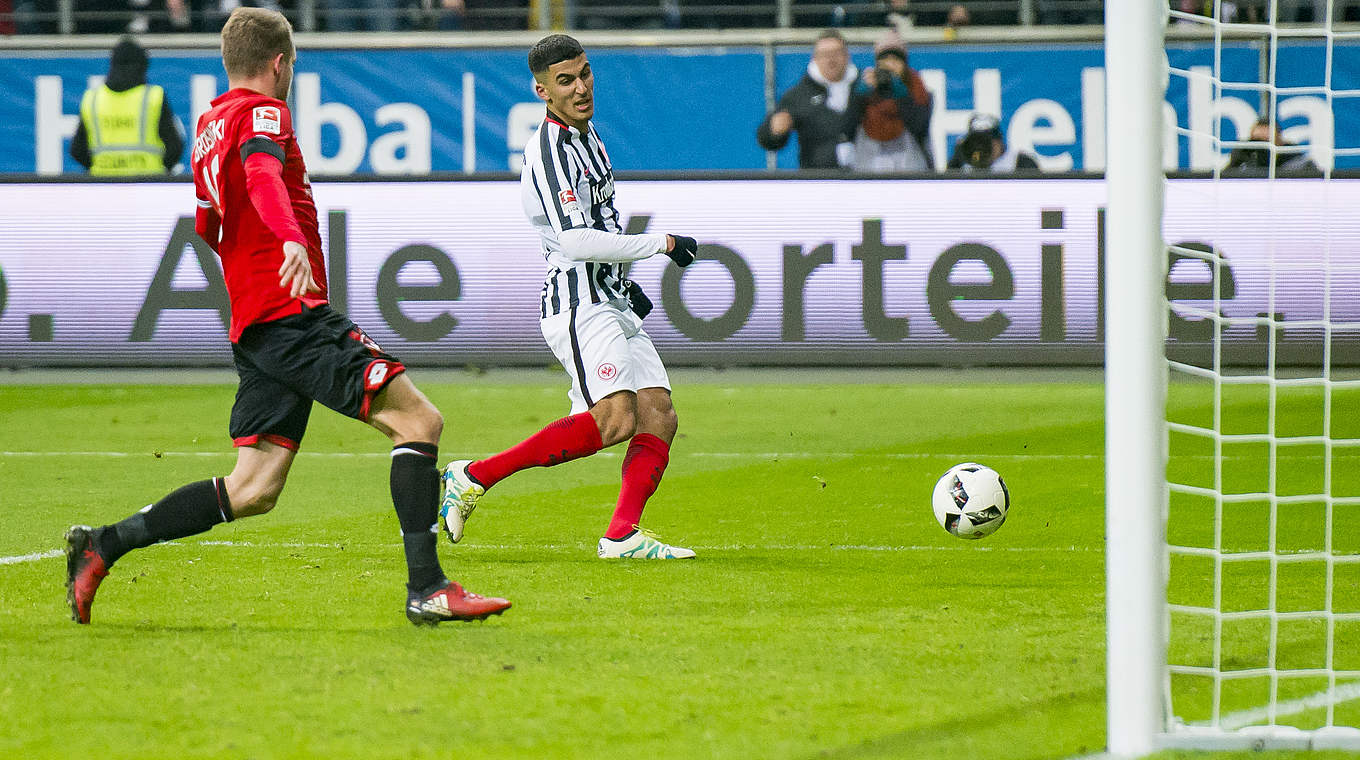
column 255, row 210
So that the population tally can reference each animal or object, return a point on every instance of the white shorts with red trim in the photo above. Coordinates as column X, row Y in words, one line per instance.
column 605, row 350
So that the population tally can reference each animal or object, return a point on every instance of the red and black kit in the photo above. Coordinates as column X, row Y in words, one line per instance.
column 253, row 195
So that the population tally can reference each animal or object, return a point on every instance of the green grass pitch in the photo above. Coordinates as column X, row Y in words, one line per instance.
column 827, row 616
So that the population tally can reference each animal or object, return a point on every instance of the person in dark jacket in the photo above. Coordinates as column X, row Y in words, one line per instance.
column 818, row 109
column 892, row 107
column 1254, row 160
column 114, row 137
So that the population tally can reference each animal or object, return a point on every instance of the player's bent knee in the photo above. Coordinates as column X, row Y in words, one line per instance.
column 433, row 422
column 617, row 417
column 670, row 422
column 253, row 498
column 423, row 423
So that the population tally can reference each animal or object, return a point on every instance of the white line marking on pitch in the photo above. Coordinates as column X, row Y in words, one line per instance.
column 30, row 557
column 1243, row 718
column 36, row 556
column 1235, row 721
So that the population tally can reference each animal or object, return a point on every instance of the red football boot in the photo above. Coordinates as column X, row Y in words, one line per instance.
column 84, row 571
column 451, row 602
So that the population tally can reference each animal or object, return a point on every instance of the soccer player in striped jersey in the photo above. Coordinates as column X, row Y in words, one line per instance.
column 591, row 315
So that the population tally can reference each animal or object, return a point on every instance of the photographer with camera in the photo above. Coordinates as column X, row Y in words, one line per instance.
column 892, row 107
column 984, row 149
column 1255, row 160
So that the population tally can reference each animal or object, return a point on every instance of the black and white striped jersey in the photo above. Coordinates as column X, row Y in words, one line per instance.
column 567, row 189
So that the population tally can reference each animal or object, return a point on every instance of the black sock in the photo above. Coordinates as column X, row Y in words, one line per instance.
column 415, row 494
column 185, row 512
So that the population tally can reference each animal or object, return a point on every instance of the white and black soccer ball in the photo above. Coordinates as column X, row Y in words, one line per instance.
column 971, row 500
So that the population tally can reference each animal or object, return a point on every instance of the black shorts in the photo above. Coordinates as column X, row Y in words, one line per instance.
column 285, row 364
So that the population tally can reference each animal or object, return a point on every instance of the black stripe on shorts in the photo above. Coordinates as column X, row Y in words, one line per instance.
column 577, row 360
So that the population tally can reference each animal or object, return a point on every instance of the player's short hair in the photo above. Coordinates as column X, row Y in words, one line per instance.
column 554, row 48
column 251, row 38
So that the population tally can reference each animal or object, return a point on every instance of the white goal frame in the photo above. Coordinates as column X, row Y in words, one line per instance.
column 1135, row 378
column 1139, row 719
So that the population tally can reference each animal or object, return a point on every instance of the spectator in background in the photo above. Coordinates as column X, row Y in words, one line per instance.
column 892, row 107
column 444, row 15
column 1070, row 12
column 126, row 125
column 1254, row 161
column 897, row 14
column 362, row 15
column 984, row 149
column 1228, row 9
column 957, row 17
column 818, row 109
column 35, row 16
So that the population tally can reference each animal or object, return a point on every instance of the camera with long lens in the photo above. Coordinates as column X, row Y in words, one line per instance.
column 976, row 149
column 883, row 86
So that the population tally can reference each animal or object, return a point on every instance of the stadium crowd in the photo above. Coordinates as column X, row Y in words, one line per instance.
column 207, row 16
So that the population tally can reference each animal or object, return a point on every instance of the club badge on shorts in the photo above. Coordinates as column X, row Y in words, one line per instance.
column 606, row 371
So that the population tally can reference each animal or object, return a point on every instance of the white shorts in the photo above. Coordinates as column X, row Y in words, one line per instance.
column 605, row 350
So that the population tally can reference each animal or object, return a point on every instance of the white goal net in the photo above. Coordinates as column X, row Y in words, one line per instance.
column 1261, row 616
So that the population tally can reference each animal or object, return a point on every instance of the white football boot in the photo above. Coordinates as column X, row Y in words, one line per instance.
column 641, row 544
column 461, row 493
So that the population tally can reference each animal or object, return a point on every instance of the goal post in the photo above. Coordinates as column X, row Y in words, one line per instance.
column 1232, row 359
column 1135, row 377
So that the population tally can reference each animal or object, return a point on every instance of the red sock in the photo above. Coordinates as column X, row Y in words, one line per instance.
column 561, row 441
column 643, row 466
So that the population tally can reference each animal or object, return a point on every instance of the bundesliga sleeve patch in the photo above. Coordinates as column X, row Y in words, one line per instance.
column 267, row 119
column 568, row 200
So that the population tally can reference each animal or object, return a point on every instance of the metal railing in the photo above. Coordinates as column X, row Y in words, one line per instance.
column 69, row 17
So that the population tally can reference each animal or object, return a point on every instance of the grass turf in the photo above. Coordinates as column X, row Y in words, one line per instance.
column 828, row 615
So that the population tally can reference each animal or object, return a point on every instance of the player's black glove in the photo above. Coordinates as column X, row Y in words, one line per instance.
column 637, row 300
column 683, row 252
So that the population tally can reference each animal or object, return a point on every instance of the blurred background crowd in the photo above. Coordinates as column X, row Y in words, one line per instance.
column 172, row 16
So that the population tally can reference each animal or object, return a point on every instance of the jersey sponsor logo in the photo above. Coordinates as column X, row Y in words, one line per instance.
column 267, row 119
column 603, row 192
column 606, row 371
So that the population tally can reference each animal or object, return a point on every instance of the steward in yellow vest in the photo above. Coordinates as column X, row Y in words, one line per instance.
column 126, row 126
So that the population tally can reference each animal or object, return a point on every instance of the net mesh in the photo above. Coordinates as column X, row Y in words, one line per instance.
column 1263, row 410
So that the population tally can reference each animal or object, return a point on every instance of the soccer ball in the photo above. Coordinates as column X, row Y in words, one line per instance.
column 971, row 500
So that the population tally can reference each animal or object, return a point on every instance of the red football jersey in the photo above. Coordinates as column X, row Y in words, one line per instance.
column 251, row 252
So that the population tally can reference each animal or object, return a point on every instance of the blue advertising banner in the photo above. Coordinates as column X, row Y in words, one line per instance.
column 403, row 112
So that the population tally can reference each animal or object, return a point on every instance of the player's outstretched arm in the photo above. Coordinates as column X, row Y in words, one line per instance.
column 586, row 244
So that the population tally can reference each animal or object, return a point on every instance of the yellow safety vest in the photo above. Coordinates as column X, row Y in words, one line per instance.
column 124, row 130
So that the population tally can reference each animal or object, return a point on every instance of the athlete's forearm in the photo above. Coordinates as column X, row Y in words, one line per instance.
column 264, row 185
column 583, row 244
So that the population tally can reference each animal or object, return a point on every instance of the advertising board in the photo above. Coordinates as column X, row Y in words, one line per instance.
column 894, row 272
